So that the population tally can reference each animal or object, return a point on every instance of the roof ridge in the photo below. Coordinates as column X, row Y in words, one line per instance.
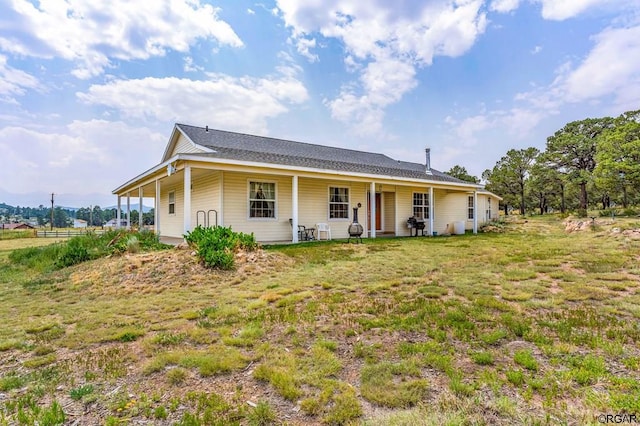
column 289, row 140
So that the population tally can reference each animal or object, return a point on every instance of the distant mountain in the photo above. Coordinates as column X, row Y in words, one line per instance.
column 145, row 209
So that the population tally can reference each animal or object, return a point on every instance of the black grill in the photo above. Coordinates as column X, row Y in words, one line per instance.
column 416, row 225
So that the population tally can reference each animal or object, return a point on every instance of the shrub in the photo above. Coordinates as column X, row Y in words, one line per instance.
column 216, row 246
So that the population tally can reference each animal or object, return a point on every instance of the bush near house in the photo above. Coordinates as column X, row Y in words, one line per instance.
column 216, row 246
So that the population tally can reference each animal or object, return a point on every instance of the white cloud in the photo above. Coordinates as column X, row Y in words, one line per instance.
column 221, row 101
column 611, row 68
column 559, row 10
column 251, row 11
column 93, row 33
column 303, row 45
column 536, row 50
column 189, row 66
column 82, row 158
column 387, row 42
column 504, row 6
column 14, row 81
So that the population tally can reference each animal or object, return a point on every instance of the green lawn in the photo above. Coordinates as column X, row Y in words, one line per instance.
column 533, row 325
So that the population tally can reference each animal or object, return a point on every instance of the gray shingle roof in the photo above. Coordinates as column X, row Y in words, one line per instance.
column 243, row 147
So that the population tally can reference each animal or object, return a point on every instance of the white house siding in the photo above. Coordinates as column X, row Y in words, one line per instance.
column 184, row 146
column 449, row 207
column 313, row 204
column 205, row 196
column 236, row 202
column 172, row 225
column 389, row 211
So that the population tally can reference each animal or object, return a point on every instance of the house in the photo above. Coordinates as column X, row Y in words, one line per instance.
column 269, row 186
column 113, row 223
column 79, row 223
column 20, row 225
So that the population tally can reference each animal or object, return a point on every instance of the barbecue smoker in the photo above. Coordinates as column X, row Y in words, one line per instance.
column 355, row 229
column 416, row 225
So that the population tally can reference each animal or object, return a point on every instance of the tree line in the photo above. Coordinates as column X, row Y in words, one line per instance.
column 588, row 163
column 62, row 217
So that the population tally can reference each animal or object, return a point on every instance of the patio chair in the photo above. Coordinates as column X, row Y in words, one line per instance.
column 323, row 227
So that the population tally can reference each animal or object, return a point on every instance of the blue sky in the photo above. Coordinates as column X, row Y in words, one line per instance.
column 90, row 90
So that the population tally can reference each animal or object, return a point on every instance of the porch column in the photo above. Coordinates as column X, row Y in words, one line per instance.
column 372, row 203
column 118, row 214
column 128, row 210
column 431, row 210
column 156, row 209
column 187, row 199
column 294, row 209
column 221, row 212
column 140, row 221
column 475, row 212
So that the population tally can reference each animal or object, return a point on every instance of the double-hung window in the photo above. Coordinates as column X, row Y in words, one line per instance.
column 262, row 200
column 338, row 203
column 471, row 208
column 172, row 202
column 421, row 205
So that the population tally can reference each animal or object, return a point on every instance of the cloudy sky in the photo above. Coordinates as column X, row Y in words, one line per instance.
column 90, row 90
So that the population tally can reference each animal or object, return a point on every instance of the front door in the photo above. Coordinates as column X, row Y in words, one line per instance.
column 378, row 210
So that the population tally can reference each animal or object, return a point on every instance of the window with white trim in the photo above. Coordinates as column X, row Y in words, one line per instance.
column 172, row 202
column 338, row 203
column 262, row 200
column 471, row 208
column 488, row 208
column 421, row 205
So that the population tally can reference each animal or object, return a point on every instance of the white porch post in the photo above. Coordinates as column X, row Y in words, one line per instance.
column 156, row 209
column 475, row 212
column 128, row 210
column 372, row 201
column 140, row 221
column 187, row 199
column 118, row 214
column 294, row 209
column 221, row 212
column 431, row 210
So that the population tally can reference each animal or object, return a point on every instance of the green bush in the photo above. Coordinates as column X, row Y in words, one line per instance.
column 216, row 246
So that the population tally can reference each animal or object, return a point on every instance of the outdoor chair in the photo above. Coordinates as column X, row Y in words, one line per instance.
column 323, row 228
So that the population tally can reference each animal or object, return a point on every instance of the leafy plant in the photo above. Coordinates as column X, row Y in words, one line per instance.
column 216, row 246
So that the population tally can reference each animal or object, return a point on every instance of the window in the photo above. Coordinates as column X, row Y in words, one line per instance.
column 262, row 199
column 338, row 203
column 471, row 209
column 172, row 202
column 420, row 205
column 488, row 208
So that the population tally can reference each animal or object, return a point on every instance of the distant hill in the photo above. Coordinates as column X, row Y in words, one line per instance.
column 145, row 209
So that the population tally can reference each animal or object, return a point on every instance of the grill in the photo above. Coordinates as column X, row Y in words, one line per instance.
column 355, row 229
column 416, row 224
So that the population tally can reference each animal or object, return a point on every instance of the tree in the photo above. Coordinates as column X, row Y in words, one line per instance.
column 461, row 173
column 618, row 156
column 96, row 217
column 572, row 149
column 509, row 176
column 60, row 218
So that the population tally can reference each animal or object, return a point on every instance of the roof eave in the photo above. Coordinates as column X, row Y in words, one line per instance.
column 146, row 174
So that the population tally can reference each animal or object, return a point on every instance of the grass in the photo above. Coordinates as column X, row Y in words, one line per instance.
column 519, row 327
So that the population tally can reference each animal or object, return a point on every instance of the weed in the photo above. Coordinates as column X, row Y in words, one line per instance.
column 515, row 376
column 176, row 376
column 525, row 358
column 393, row 384
column 261, row 415
column 482, row 358
column 78, row 393
column 160, row 413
